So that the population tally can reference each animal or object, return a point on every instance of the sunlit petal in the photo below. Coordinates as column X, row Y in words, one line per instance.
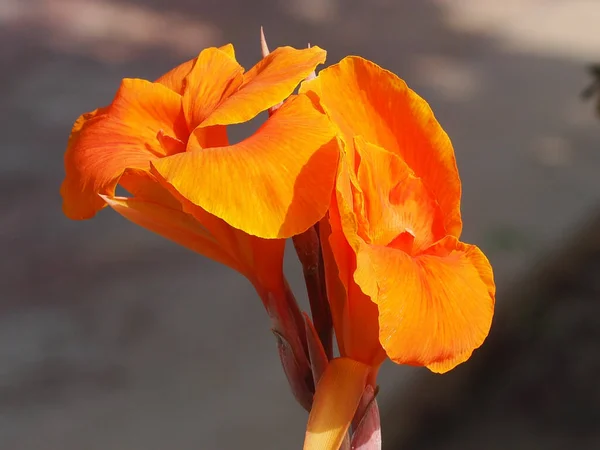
column 214, row 77
column 174, row 79
column 439, row 306
column 157, row 207
column 120, row 136
column 400, row 211
column 365, row 100
column 269, row 82
column 336, row 399
column 274, row 184
column 260, row 260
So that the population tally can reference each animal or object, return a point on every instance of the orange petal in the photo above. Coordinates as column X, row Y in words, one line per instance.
column 275, row 184
column 228, row 50
column 334, row 273
column 83, row 119
column 268, row 83
column 144, row 186
column 364, row 99
column 214, row 77
column 336, row 399
column 125, row 135
column 260, row 260
column 154, row 207
column 174, row 79
column 145, row 108
column 214, row 136
column 399, row 209
column 434, row 309
column 347, row 216
column 172, row 224
column 355, row 316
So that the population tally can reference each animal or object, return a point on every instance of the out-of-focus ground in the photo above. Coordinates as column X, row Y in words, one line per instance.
column 112, row 338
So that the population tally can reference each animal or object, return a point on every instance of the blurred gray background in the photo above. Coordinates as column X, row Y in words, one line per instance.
column 113, row 338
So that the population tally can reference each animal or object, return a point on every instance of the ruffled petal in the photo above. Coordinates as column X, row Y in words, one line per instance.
column 268, row 83
column 174, row 79
column 214, row 77
column 145, row 108
column 228, row 50
column 434, row 309
column 275, row 184
column 336, row 400
column 82, row 120
column 125, row 134
column 400, row 211
column 365, row 100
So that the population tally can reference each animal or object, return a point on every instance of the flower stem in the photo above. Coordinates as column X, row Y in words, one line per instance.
column 309, row 252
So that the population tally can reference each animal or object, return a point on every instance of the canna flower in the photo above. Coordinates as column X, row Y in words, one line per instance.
column 165, row 143
column 401, row 285
column 274, row 184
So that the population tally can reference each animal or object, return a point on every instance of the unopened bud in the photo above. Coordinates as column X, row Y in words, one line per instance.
column 299, row 378
column 366, row 426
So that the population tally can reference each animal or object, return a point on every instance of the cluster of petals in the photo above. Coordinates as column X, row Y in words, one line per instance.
column 165, row 142
column 400, row 283
column 355, row 150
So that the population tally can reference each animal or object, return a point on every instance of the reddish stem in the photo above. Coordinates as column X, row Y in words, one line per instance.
column 308, row 248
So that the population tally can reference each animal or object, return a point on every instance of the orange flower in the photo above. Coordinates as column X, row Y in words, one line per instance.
column 274, row 184
column 400, row 283
column 165, row 142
